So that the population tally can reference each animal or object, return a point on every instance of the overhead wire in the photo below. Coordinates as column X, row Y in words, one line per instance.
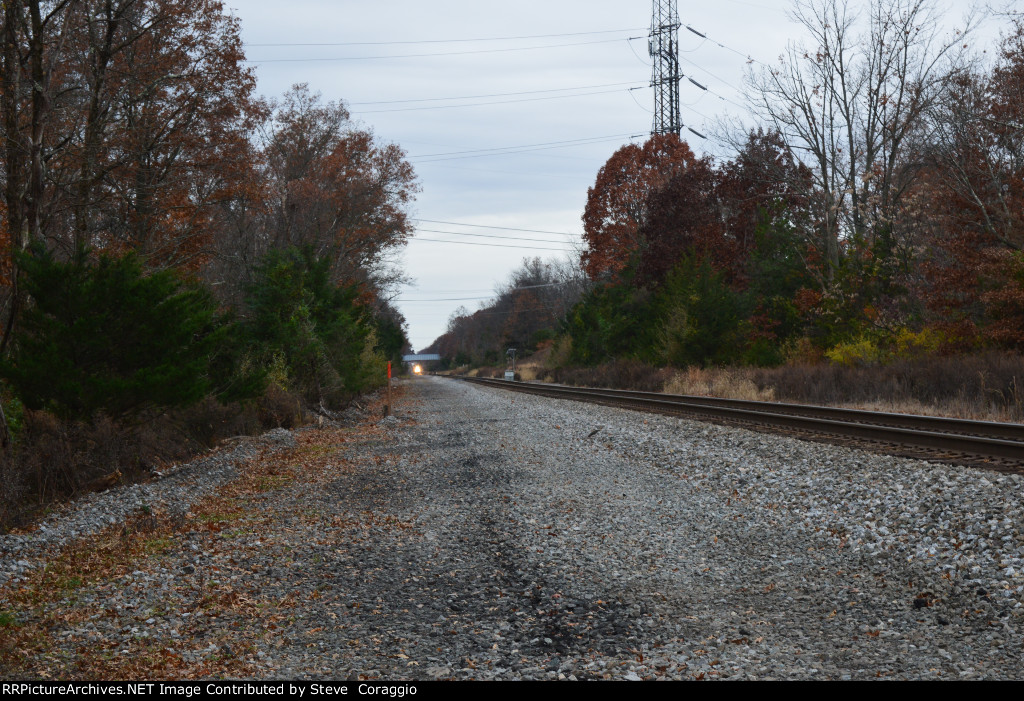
column 489, row 226
column 496, row 245
column 630, row 41
column 504, row 150
column 493, row 295
column 705, row 70
column 695, row 48
column 449, row 41
column 497, row 94
column 487, row 236
column 510, row 311
column 748, row 57
column 428, row 55
column 447, row 299
column 650, row 111
column 485, row 104
column 514, row 173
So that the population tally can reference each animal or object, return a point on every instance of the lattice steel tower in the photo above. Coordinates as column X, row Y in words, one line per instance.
column 663, row 46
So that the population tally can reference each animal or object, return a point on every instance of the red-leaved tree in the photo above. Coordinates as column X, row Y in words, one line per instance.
column 617, row 203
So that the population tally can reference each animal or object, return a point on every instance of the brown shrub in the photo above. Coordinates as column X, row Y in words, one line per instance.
column 278, row 408
column 733, row 383
column 989, row 385
column 620, row 374
column 54, row 459
column 11, row 490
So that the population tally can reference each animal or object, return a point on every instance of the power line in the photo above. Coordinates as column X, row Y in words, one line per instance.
column 497, row 94
column 494, row 296
column 630, row 41
column 488, row 226
column 681, row 124
column 515, row 173
column 493, row 293
column 496, row 245
column 705, row 89
column 446, row 299
column 705, row 70
column 705, row 37
column 486, row 236
column 474, row 153
column 528, row 150
column 471, row 299
column 452, row 41
column 638, row 102
column 443, row 53
column 485, row 104
column 510, row 311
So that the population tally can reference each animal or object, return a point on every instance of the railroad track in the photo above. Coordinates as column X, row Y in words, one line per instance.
column 998, row 446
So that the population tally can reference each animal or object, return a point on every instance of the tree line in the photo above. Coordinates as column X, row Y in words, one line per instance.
column 168, row 235
column 524, row 314
column 873, row 212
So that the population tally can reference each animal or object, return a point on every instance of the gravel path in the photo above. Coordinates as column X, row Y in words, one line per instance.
column 175, row 491
column 483, row 534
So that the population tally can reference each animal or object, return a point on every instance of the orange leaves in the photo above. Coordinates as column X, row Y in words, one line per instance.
column 806, row 300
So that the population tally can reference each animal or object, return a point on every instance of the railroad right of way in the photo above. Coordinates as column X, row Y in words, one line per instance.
column 742, row 554
column 484, row 534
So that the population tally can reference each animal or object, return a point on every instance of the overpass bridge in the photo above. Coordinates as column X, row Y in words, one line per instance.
column 418, row 360
column 421, row 358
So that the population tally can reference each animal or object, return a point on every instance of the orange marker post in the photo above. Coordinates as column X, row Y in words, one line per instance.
column 387, row 409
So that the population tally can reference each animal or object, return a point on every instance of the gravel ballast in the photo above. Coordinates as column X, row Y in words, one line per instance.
column 484, row 534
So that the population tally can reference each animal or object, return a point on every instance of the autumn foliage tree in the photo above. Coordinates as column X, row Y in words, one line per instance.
column 616, row 206
column 525, row 313
column 185, row 108
column 132, row 132
column 126, row 124
column 335, row 188
column 178, row 257
column 681, row 219
column 975, row 190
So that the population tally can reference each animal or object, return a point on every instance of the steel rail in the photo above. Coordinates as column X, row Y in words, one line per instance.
column 990, row 429
column 979, row 438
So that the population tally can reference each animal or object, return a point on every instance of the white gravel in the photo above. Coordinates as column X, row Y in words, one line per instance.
column 654, row 548
column 176, row 490
column 776, row 557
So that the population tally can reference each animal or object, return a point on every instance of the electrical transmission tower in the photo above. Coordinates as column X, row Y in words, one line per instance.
column 663, row 46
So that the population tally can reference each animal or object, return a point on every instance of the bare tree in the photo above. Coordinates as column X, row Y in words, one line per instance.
column 977, row 146
column 851, row 105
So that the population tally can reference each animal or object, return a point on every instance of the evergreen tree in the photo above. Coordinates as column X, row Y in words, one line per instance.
column 101, row 335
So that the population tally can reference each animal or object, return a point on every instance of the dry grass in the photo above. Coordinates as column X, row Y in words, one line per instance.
column 987, row 387
column 984, row 387
column 731, row 384
column 620, row 374
column 531, row 373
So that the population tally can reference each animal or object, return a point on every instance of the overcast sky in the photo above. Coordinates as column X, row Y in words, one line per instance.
column 544, row 100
